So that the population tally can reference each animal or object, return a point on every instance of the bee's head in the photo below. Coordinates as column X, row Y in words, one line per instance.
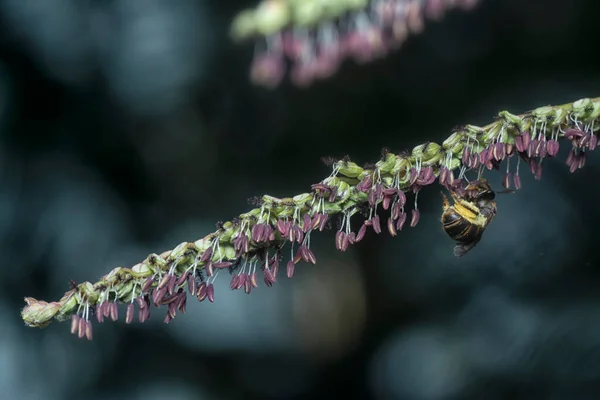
column 487, row 195
column 480, row 190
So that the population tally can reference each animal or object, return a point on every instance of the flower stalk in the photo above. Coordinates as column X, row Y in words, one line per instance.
column 251, row 247
column 315, row 36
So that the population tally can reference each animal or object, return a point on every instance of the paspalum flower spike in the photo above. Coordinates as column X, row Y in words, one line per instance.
column 251, row 247
column 315, row 36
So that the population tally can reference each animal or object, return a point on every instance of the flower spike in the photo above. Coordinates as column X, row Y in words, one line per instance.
column 315, row 36
column 253, row 243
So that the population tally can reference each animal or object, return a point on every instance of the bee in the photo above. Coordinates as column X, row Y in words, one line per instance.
column 465, row 220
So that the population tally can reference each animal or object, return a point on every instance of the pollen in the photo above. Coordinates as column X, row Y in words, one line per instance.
column 470, row 212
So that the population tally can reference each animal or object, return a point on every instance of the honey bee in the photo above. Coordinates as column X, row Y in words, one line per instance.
column 465, row 220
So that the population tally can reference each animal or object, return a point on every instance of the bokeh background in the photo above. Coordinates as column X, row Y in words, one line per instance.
column 129, row 126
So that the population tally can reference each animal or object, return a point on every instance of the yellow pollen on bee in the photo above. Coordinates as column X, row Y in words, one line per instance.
column 466, row 209
column 470, row 212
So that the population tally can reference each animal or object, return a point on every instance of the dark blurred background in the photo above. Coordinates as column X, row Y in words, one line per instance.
column 129, row 126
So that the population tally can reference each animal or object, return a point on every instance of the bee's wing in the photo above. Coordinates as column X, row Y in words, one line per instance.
column 463, row 248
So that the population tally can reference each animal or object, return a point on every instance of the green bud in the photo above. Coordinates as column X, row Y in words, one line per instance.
column 307, row 13
column 156, row 261
column 244, row 25
column 432, row 153
column 69, row 305
column 141, row 270
column 395, row 169
column 582, row 108
column 38, row 314
column 124, row 290
column 432, row 149
column 560, row 116
column 472, row 131
column 270, row 200
column 493, row 132
column 113, row 275
column 228, row 225
column 203, row 244
column 366, row 172
column 228, row 252
column 454, row 163
column 254, row 213
column 228, row 231
column 387, row 180
column 596, row 110
column 283, row 211
column 475, row 137
column 545, row 114
column 135, row 292
column 388, row 164
column 542, row 112
column 271, row 17
column 455, row 142
column 349, row 169
column 343, row 191
column 301, row 199
column 457, row 149
column 525, row 126
column 417, row 152
column 225, row 251
column 452, row 141
column 511, row 118
column 86, row 289
column 332, row 208
column 359, row 197
column 403, row 163
column 404, row 179
column 179, row 251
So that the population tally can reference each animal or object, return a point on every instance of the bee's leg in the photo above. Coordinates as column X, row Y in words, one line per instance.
column 456, row 197
column 463, row 248
column 445, row 203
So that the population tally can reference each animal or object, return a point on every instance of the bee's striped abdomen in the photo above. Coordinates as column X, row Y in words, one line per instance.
column 459, row 228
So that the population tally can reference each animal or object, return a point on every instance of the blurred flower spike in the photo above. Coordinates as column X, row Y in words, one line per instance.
column 315, row 36
column 352, row 200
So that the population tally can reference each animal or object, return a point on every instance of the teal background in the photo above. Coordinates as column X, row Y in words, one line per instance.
column 127, row 127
